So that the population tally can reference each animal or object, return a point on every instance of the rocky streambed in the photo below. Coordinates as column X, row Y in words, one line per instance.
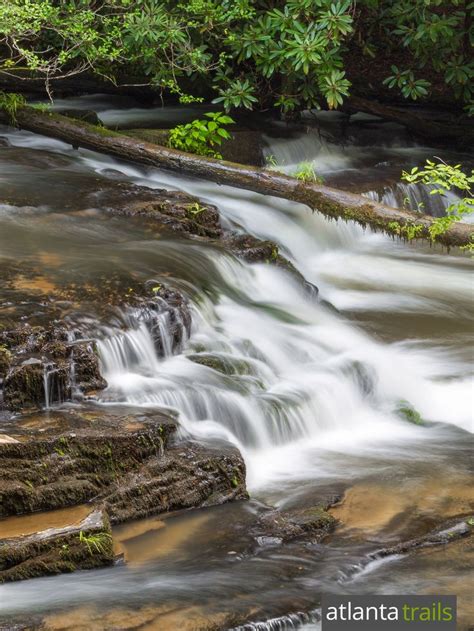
column 121, row 466
column 163, row 348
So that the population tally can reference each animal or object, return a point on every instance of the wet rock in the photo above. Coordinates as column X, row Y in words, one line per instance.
column 449, row 532
column 87, row 375
column 71, row 466
column 252, row 249
column 5, row 360
column 4, row 142
column 186, row 476
column 224, row 365
column 313, row 523
column 168, row 319
column 58, row 361
column 128, row 464
column 173, row 210
column 83, row 546
column 24, row 386
column 406, row 411
column 87, row 116
column 36, row 384
column 44, row 365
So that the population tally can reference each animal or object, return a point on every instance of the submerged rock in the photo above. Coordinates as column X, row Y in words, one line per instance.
column 82, row 546
column 447, row 533
column 312, row 523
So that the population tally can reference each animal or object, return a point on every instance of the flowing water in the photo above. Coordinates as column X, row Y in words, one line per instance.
column 311, row 397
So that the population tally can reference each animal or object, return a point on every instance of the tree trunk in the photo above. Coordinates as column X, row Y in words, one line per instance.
column 420, row 124
column 331, row 202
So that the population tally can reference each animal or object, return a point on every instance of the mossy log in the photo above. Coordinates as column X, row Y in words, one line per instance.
column 329, row 201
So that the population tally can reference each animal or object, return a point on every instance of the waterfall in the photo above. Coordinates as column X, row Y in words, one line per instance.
column 299, row 375
column 414, row 197
column 55, row 384
column 46, row 385
column 308, row 621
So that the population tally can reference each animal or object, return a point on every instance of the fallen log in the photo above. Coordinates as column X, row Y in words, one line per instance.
column 329, row 201
column 417, row 122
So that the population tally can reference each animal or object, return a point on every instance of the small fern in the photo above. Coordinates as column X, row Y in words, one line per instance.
column 10, row 103
column 96, row 543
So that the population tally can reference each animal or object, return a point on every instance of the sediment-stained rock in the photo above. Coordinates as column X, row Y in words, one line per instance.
column 81, row 546
column 126, row 465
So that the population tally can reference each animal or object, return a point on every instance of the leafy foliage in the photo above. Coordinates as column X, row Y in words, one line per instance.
column 10, row 103
column 409, row 86
column 201, row 136
column 410, row 230
column 442, row 178
column 248, row 53
column 96, row 543
column 437, row 36
column 306, row 173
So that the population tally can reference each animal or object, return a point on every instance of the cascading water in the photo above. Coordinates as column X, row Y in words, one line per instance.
column 305, row 376
column 309, row 392
column 339, row 157
column 414, row 197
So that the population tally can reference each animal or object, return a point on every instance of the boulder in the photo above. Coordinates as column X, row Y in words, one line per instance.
column 87, row 116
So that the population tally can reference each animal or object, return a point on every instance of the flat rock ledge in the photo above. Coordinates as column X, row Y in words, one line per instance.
column 83, row 546
column 126, row 466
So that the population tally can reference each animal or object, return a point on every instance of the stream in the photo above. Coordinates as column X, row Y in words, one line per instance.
column 313, row 405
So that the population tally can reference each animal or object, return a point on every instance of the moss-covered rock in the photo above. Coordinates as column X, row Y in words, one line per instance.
column 75, row 460
column 172, row 210
column 56, row 550
column 53, row 366
column 24, row 386
column 123, row 462
column 185, row 476
column 224, row 365
column 5, row 360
